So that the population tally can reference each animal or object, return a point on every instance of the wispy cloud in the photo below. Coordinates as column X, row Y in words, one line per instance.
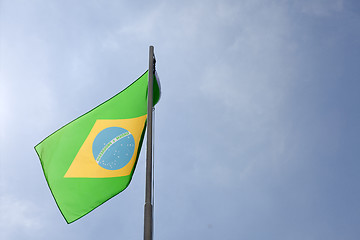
column 18, row 216
column 4, row 109
column 320, row 7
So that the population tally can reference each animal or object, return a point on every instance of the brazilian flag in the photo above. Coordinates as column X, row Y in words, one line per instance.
column 93, row 158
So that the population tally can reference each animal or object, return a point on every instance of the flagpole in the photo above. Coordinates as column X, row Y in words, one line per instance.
column 148, row 208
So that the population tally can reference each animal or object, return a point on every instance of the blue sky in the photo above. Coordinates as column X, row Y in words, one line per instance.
column 256, row 132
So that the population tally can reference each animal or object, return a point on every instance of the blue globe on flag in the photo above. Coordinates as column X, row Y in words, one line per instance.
column 113, row 148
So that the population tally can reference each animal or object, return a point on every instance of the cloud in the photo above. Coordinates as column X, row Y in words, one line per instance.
column 4, row 109
column 18, row 216
column 321, row 7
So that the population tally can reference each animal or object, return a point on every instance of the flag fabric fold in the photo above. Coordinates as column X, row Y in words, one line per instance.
column 92, row 159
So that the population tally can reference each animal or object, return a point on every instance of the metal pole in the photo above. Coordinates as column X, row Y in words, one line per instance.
column 148, row 208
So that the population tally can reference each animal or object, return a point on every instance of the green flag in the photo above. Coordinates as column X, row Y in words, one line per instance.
column 92, row 158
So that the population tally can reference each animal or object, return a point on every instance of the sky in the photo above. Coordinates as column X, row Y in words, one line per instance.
column 256, row 133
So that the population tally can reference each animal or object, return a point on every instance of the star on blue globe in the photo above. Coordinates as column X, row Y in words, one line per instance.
column 113, row 148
